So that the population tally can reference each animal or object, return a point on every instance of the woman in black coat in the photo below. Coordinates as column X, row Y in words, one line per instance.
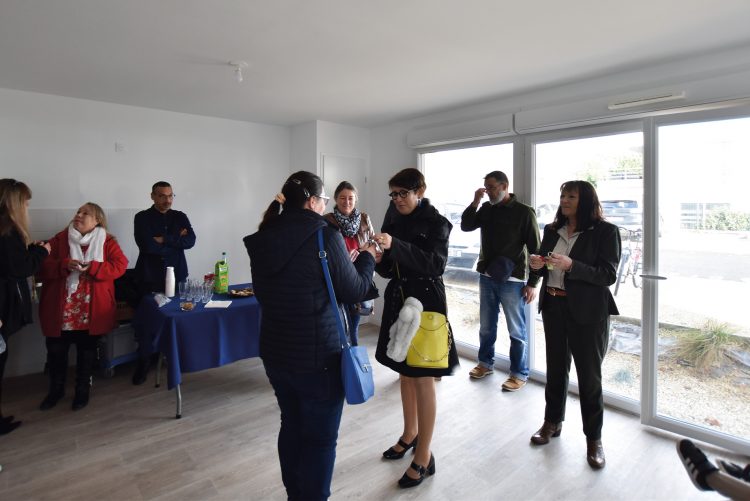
column 414, row 239
column 578, row 259
column 19, row 259
column 299, row 339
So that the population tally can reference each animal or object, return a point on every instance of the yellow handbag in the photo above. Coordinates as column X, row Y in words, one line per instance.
column 431, row 344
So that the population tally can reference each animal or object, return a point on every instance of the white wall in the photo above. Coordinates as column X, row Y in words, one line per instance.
column 224, row 174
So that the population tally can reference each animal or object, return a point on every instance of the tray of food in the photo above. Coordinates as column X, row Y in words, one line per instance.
column 243, row 292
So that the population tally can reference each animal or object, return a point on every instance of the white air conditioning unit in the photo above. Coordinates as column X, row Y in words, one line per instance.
column 461, row 132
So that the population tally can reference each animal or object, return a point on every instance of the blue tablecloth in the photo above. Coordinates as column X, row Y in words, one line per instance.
column 202, row 338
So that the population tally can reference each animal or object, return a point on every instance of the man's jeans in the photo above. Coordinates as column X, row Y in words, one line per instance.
column 311, row 406
column 508, row 294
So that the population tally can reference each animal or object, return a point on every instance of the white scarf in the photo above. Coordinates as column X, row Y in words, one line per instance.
column 95, row 252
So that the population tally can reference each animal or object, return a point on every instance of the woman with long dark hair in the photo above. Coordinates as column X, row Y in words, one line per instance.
column 578, row 261
column 19, row 259
column 299, row 339
column 414, row 238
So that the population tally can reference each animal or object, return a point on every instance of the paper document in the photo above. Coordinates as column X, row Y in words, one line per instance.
column 218, row 304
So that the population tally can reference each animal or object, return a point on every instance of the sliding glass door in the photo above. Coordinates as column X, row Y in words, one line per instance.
column 702, row 369
column 612, row 161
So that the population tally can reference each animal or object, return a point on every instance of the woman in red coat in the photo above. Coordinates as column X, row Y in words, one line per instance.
column 77, row 303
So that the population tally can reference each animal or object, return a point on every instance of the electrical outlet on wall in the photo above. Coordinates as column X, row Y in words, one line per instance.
column 120, row 147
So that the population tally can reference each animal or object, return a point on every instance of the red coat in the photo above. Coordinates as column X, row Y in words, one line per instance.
column 53, row 274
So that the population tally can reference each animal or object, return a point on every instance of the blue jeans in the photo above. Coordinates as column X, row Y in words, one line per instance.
column 354, row 319
column 492, row 294
column 311, row 406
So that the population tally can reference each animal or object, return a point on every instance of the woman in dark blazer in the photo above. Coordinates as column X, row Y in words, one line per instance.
column 578, row 260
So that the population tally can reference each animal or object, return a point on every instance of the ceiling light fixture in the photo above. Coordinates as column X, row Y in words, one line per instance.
column 238, row 67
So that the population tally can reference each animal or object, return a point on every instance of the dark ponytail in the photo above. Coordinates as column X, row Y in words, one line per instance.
column 296, row 190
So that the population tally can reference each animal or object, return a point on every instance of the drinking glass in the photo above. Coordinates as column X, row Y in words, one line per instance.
column 182, row 287
column 208, row 292
column 190, row 291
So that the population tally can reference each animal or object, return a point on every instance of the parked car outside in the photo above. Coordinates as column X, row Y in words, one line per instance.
column 463, row 249
column 626, row 214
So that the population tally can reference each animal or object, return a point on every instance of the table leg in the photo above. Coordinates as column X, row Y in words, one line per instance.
column 158, row 371
column 179, row 402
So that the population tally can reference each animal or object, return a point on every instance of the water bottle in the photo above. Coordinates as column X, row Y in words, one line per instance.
column 169, row 282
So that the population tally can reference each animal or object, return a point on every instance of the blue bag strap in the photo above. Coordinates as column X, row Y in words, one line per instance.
column 324, row 260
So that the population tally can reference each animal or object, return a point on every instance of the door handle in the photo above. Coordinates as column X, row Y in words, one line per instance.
column 654, row 277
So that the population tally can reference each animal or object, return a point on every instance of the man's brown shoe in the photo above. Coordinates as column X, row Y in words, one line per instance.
column 479, row 372
column 513, row 384
column 595, row 454
column 547, row 431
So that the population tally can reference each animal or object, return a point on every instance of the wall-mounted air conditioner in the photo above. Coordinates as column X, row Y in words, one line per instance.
column 461, row 132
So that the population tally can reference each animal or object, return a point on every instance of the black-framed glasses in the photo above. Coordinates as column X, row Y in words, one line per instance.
column 396, row 194
column 162, row 196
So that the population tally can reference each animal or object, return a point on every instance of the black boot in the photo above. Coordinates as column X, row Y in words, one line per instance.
column 86, row 350
column 141, row 370
column 57, row 363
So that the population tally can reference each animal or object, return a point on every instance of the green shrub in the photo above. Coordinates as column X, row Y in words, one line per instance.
column 706, row 347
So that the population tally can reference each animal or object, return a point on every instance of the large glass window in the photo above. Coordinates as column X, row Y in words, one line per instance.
column 614, row 165
column 703, row 369
column 452, row 178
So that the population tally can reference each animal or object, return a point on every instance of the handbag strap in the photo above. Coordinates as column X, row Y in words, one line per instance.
column 324, row 260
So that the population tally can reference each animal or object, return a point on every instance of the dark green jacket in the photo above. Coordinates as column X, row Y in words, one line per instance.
column 508, row 230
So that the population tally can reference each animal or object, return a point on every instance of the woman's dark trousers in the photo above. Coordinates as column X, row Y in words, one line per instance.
column 311, row 404
column 587, row 344
column 57, row 363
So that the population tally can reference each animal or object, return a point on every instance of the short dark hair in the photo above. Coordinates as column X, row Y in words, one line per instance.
column 409, row 178
column 498, row 176
column 160, row 184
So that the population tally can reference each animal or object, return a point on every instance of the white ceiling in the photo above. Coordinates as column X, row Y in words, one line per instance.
column 357, row 62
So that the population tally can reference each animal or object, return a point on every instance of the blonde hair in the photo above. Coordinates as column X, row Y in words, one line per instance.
column 13, row 214
column 98, row 214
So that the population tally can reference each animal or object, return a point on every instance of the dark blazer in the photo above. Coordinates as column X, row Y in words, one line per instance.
column 17, row 262
column 595, row 255
column 153, row 257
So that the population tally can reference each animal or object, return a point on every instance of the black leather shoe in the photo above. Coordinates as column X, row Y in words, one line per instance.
column 50, row 401
column 406, row 481
column 6, row 428
column 6, row 420
column 392, row 453
column 141, row 371
column 547, row 431
column 595, row 454
column 80, row 399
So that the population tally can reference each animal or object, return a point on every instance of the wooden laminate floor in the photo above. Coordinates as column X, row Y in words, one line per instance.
column 127, row 445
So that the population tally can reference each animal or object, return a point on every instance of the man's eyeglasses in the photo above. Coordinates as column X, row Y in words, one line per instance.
column 161, row 196
column 396, row 194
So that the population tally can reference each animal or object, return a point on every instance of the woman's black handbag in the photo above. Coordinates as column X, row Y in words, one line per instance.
column 356, row 370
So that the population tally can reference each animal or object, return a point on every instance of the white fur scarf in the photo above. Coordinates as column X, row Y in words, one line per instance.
column 403, row 330
column 95, row 252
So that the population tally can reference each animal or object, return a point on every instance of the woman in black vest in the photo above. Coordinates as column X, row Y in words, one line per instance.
column 19, row 259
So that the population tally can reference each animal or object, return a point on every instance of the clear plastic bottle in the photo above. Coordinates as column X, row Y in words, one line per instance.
column 221, row 272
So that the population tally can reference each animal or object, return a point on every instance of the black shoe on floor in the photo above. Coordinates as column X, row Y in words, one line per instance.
column 6, row 420
column 141, row 371
column 6, row 428
column 696, row 463
column 423, row 471
column 50, row 401
column 735, row 470
column 81, row 399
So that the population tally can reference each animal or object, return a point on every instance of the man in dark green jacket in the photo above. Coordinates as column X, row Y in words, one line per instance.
column 509, row 234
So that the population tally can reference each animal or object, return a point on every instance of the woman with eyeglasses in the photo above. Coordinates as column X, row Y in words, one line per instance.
column 414, row 239
column 19, row 259
column 356, row 228
column 299, row 338
column 77, row 303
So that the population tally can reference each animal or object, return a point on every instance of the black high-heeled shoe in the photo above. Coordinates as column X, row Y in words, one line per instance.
column 406, row 481
column 392, row 453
